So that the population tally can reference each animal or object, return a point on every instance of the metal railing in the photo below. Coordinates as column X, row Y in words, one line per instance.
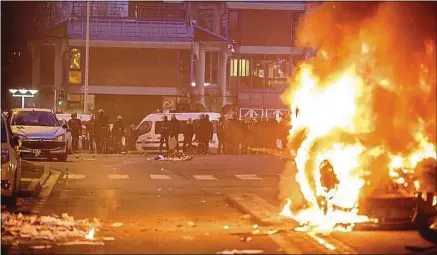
column 112, row 28
column 109, row 9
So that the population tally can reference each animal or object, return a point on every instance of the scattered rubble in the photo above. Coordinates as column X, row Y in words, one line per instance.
column 46, row 230
column 117, row 224
column 235, row 251
column 246, row 239
column 173, row 157
column 246, row 217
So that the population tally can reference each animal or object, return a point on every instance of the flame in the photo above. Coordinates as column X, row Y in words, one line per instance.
column 354, row 105
column 90, row 235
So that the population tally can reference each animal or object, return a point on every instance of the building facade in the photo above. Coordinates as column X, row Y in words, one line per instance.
column 149, row 56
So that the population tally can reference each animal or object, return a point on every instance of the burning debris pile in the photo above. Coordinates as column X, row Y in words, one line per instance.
column 364, row 108
column 48, row 230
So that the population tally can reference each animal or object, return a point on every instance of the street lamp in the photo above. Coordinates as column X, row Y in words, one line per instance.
column 23, row 93
column 87, row 57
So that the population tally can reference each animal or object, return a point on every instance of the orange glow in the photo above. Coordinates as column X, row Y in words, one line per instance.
column 360, row 108
column 90, row 235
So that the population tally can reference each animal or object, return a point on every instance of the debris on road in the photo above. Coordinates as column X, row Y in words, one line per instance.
column 117, row 224
column 246, row 217
column 90, row 235
column 273, row 231
column 191, row 224
column 175, row 157
column 53, row 229
column 108, row 238
column 256, row 231
column 246, row 239
column 226, row 227
column 235, row 251
column 83, row 243
column 40, row 247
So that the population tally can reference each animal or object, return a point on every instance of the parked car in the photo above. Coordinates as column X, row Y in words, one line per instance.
column 11, row 162
column 41, row 134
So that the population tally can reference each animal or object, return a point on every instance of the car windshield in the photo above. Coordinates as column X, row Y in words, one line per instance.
column 34, row 118
column 4, row 139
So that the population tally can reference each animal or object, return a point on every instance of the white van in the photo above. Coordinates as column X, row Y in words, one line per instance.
column 149, row 128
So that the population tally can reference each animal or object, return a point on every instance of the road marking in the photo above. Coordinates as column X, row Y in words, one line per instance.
column 74, row 176
column 159, row 177
column 47, row 189
column 248, row 177
column 118, row 176
column 28, row 179
column 282, row 242
column 205, row 177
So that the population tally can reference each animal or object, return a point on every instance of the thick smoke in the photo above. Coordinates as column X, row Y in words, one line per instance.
column 401, row 40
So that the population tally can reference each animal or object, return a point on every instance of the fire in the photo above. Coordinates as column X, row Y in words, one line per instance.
column 90, row 235
column 324, row 110
column 349, row 112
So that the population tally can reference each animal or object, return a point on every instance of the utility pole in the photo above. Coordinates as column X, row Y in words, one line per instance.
column 87, row 56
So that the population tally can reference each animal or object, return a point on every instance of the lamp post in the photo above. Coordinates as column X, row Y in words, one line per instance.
column 87, row 56
column 23, row 93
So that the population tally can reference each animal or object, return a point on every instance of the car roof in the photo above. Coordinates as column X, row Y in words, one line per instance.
column 31, row 109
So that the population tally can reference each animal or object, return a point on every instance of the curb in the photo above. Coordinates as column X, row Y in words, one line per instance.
column 35, row 187
column 395, row 226
column 265, row 214
column 257, row 208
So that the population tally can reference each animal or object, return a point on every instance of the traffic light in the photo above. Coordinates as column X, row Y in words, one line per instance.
column 60, row 97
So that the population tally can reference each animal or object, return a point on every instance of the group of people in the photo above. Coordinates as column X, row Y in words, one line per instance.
column 98, row 136
column 234, row 136
column 201, row 130
column 251, row 135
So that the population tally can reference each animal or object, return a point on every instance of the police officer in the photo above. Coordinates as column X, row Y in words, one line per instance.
column 221, row 135
column 164, row 134
column 174, row 130
column 118, row 134
column 102, row 132
column 188, row 135
column 75, row 126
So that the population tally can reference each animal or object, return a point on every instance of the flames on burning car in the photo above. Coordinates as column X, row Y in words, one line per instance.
column 364, row 109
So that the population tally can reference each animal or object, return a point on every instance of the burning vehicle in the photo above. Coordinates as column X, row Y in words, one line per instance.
column 365, row 104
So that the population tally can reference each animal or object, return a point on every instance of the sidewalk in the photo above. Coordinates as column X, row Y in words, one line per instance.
column 33, row 176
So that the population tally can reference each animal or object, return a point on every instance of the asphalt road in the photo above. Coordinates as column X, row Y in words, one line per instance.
column 147, row 206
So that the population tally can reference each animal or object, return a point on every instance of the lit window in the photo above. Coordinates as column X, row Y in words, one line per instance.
column 75, row 59
column 240, row 67
column 75, row 77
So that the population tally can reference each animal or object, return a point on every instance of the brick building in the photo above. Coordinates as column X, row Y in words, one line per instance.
column 146, row 56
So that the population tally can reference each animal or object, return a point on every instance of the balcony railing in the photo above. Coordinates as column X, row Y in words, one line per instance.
column 126, row 29
column 112, row 9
